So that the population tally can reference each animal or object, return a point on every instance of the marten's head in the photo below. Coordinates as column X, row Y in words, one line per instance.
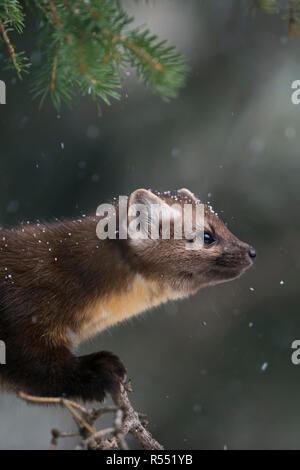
column 206, row 253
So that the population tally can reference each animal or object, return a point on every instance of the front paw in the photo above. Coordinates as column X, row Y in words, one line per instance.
column 103, row 372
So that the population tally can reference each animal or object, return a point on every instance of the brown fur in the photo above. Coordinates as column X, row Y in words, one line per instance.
column 60, row 284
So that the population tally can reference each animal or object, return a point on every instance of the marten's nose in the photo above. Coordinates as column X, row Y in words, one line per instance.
column 252, row 253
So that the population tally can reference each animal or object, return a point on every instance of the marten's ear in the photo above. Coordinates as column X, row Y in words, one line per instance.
column 144, row 196
column 187, row 193
column 152, row 204
column 151, row 209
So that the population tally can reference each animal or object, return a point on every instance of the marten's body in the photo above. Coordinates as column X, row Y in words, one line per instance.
column 60, row 284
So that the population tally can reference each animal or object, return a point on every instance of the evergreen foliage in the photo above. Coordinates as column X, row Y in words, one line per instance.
column 85, row 47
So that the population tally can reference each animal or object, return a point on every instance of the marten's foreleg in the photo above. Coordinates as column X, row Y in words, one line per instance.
column 59, row 373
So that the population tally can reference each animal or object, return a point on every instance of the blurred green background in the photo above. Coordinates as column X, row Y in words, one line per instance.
column 213, row 371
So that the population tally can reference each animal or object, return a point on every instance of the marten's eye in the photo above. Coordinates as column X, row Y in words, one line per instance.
column 208, row 238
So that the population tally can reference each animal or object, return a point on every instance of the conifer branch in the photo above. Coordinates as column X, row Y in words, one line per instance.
column 289, row 11
column 56, row 18
column 85, row 47
column 91, row 10
column 136, row 49
column 9, row 47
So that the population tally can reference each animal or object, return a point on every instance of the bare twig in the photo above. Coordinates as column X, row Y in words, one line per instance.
column 126, row 421
column 56, row 434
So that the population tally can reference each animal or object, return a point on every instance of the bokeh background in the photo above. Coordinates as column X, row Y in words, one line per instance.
column 213, row 371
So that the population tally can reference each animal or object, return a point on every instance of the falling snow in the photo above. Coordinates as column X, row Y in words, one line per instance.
column 92, row 132
column 257, row 145
column 197, row 408
column 290, row 132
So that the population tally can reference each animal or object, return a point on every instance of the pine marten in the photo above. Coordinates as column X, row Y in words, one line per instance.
column 61, row 284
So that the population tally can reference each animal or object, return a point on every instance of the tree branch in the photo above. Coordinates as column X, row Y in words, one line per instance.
column 9, row 47
column 126, row 421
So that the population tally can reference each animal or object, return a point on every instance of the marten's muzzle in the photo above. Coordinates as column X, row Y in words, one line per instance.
column 239, row 256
